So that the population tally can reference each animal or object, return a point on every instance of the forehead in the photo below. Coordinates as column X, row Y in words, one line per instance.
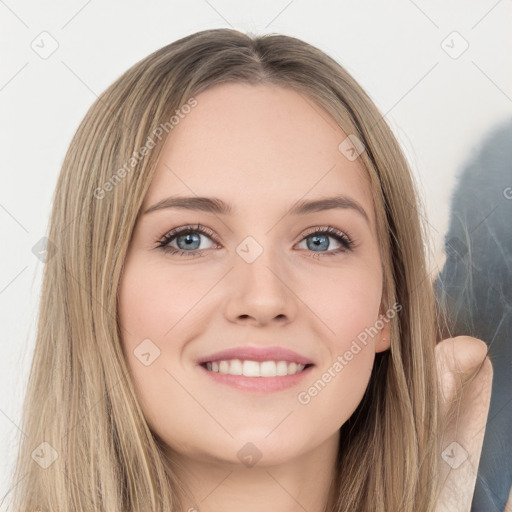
column 256, row 146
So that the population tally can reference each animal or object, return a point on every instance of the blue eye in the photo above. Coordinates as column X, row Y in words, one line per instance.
column 188, row 237
column 320, row 240
column 188, row 241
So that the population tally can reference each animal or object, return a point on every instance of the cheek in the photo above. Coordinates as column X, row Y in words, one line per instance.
column 348, row 308
column 346, row 302
column 152, row 300
column 347, row 305
column 153, row 307
column 159, row 310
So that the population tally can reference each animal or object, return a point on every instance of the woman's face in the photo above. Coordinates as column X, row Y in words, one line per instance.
column 258, row 277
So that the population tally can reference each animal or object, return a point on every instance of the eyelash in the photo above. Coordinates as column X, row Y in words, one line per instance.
column 346, row 241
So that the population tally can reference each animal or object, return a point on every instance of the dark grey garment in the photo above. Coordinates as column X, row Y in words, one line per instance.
column 475, row 290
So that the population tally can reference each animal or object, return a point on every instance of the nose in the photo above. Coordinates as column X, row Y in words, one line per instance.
column 260, row 292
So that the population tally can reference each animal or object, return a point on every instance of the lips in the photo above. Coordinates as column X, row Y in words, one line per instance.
column 259, row 354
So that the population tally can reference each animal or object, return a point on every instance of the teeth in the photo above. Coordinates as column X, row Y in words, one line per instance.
column 254, row 368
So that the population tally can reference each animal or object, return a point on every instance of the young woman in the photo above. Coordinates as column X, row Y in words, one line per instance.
column 238, row 313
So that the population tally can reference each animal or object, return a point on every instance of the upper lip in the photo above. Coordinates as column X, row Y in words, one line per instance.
column 260, row 354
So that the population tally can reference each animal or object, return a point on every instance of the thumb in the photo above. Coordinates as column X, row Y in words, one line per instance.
column 465, row 378
column 458, row 361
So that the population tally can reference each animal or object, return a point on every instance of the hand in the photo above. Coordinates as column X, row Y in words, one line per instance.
column 508, row 506
column 465, row 374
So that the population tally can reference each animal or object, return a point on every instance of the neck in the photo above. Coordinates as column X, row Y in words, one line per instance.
column 306, row 482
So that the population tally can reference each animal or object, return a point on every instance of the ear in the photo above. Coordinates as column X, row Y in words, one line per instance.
column 382, row 339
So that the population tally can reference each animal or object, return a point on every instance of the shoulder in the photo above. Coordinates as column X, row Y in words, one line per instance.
column 465, row 373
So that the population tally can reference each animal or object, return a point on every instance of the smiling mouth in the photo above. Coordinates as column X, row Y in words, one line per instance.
column 248, row 368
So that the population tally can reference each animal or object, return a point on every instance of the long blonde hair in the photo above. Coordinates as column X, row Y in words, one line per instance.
column 80, row 399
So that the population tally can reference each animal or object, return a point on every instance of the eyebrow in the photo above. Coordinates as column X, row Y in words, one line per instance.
column 219, row 207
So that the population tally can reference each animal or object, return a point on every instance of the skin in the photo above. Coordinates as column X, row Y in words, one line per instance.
column 465, row 371
column 260, row 148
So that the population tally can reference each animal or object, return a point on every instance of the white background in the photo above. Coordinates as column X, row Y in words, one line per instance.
column 439, row 107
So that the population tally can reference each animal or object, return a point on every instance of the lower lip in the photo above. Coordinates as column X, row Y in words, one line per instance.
column 258, row 384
